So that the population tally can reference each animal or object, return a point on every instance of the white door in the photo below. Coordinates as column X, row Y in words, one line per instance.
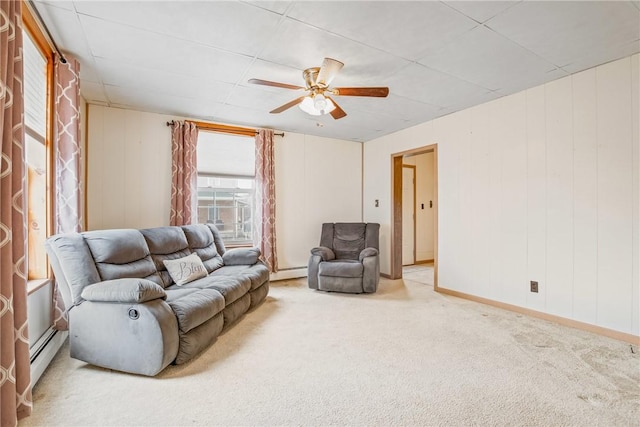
column 408, row 215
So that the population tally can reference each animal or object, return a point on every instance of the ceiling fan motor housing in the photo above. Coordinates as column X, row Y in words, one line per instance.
column 310, row 76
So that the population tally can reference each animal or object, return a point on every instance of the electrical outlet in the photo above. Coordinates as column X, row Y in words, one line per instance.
column 534, row 286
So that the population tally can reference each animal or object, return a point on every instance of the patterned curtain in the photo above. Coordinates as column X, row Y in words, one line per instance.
column 184, row 173
column 68, row 163
column 264, row 235
column 15, row 379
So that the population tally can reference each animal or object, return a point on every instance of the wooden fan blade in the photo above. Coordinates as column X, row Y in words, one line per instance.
column 380, row 92
column 274, row 84
column 328, row 71
column 338, row 112
column 287, row 105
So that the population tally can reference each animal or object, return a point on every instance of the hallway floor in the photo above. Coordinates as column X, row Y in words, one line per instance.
column 420, row 273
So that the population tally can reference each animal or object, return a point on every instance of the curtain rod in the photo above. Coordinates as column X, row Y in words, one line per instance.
column 224, row 128
column 46, row 30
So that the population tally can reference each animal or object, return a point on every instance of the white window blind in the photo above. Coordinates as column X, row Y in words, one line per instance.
column 35, row 84
column 226, row 155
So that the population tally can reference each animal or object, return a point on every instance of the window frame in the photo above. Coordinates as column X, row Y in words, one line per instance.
column 235, row 131
column 35, row 32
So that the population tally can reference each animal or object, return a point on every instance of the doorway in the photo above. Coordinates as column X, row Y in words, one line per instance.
column 408, row 214
column 414, row 215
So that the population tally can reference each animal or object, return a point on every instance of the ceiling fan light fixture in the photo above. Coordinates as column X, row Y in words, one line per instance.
column 320, row 102
column 317, row 105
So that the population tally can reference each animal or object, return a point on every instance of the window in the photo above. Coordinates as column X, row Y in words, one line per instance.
column 36, row 154
column 226, row 185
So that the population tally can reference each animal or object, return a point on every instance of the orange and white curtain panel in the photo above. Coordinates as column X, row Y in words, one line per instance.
column 184, row 173
column 15, row 377
column 67, row 149
column 264, row 234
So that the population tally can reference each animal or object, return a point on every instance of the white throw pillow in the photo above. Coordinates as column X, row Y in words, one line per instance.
column 185, row 270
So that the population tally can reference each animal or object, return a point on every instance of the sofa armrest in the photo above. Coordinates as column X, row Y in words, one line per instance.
column 367, row 252
column 128, row 290
column 324, row 253
column 138, row 338
column 241, row 256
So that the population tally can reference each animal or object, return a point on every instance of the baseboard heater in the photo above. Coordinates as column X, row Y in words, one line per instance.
column 43, row 352
column 289, row 273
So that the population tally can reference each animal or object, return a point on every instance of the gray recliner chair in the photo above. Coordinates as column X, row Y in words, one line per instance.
column 347, row 259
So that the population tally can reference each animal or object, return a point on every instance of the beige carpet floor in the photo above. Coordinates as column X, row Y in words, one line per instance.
column 403, row 356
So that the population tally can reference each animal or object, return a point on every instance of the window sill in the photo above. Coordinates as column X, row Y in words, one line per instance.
column 36, row 284
column 237, row 246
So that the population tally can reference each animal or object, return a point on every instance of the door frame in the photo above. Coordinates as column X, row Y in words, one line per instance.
column 413, row 168
column 396, row 210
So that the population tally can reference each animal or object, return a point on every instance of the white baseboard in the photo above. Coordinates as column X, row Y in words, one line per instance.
column 46, row 355
column 292, row 273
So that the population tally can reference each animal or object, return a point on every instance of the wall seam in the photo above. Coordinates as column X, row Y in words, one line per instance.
column 573, row 202
column 597, row 202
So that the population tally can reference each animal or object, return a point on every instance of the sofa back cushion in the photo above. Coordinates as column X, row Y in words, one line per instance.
column 348, row 240
column 217, row 238
column 121, row 253
column 72, row 264
column 201, row 241
column 166, row 243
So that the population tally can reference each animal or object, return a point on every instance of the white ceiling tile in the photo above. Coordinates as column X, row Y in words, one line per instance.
column 301, row 46
column 278, row 7
column 151, row 50
column 393, row 105
column 566, row 32
column 422, row 84
column 158, row 103
column 481, row 11
column 487, row 59
column 213, row 23
column 92, row 92
column 152, row 80
column 61, row 4
column 603, row 56
column 66, row 30
column 372, row 121
column 233, row 114
column 405, row 29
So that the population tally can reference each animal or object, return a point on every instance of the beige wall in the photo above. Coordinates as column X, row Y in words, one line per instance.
column 128, row 169
column 129, row 179
column 540, row 185
column 317, row 180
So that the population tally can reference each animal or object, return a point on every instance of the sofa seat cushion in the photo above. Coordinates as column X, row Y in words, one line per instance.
column 341, row 268
column 257, row 273
column 195, row 306
column 231, row 288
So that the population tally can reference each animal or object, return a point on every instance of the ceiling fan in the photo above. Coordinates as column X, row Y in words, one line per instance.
column 317, row 80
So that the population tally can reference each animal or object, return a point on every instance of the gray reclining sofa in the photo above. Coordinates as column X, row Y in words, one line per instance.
column 125, row 311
